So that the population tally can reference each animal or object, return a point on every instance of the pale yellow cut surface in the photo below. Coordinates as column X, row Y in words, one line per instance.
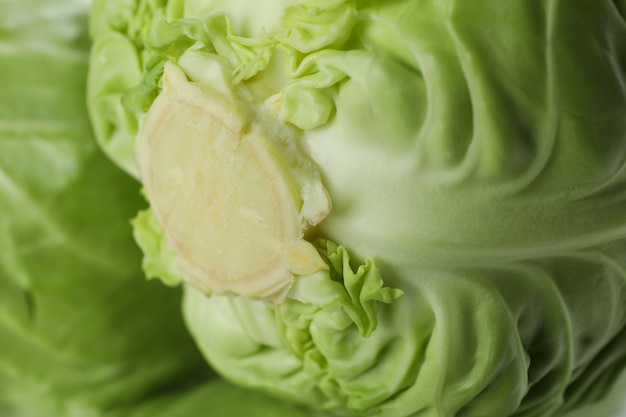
column 227, row 207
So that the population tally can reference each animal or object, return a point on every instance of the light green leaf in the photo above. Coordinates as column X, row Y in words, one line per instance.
column 81, row 332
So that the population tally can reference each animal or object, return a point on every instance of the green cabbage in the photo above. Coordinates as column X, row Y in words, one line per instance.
column 381, row 208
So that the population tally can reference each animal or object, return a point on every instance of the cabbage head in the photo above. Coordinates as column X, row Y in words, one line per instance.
column 381, row 208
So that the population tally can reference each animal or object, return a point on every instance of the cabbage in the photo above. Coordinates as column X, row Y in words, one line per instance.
column 381, row 208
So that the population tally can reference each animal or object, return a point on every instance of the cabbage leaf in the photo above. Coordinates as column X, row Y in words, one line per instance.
column 81, row 334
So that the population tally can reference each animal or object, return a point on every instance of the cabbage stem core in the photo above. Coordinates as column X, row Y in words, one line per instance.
column 225, row 201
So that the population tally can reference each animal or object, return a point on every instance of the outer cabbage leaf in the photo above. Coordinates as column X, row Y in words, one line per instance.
column 511, row 132
column 218, row 398
column 81, row 334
